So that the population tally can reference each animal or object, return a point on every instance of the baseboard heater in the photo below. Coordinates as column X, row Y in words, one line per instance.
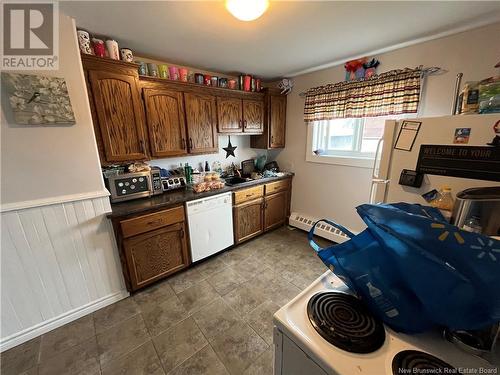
column 324, row 230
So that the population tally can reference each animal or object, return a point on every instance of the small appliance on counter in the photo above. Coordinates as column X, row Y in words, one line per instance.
column 173, row 182
column 127, row 186
column 156, row 187
column 478, row 210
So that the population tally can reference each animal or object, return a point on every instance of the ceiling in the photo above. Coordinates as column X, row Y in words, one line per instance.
column 290, row 38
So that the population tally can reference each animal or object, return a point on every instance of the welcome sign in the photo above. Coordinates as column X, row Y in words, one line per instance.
column 475, row 162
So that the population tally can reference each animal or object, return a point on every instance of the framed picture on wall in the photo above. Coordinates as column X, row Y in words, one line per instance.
column 37, row 99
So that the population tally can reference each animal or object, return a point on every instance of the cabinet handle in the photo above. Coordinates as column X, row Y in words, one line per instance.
column 143, row 148
column 190, row 143
column 182, row 232
column 155, row 222
column 245, row 122
column 183, row 144
column 239, row 123
column 249, row 195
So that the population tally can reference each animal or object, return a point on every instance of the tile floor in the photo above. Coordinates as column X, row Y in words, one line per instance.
column 214, row 318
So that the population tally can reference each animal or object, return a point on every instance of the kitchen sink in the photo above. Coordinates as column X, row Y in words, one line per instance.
column 236, row 180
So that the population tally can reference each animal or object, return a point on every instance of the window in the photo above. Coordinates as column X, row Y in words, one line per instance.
column 350, row 141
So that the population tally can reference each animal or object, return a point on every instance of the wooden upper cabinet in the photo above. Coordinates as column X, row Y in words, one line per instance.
column 277, row 119
column 229, row 113
column 201, row 120
column 253, row 116
column 118, row 108
column 273, row 135
column 236, row 115
column 165, row 122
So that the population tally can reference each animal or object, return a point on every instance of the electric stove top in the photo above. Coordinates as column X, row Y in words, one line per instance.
column 333, row 329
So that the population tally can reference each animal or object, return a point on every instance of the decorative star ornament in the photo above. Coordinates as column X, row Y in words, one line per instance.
column 230, row 148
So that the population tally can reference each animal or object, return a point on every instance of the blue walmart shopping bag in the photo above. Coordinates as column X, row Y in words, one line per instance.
column 415, row 271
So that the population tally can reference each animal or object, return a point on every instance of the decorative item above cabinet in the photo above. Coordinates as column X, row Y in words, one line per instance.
column 140, row 118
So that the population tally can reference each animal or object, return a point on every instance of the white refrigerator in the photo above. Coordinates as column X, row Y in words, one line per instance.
column 438, row 131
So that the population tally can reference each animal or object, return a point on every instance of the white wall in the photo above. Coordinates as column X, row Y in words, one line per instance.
column 43, row 162
column 333, row 191
column 58, row 255
column 242, row 152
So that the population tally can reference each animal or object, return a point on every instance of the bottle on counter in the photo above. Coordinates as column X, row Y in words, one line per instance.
column 188, row 173
column 207, row 167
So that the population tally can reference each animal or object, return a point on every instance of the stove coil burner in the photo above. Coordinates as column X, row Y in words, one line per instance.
column 411, row 361
column 344, row 321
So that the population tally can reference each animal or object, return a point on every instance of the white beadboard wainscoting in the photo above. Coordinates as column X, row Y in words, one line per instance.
column 58, row 262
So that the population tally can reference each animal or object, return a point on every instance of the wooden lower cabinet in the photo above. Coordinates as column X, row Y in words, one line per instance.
column 260, row 208
column 275, row 209
column 156, row 254
column 248, row 220
column 152, row 246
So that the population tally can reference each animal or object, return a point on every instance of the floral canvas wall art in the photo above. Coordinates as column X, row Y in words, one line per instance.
column 38, row 100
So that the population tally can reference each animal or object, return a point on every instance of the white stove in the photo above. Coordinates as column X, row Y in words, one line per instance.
column 301, row 350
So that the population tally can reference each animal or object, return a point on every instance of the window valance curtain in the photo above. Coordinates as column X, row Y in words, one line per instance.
column 390, row 93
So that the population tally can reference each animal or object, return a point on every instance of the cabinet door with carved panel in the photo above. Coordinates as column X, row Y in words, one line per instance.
column 253, row 116
column 201, row 120
column 229, row 112
column 248, row 220
column 118, row 107
column 165, row 122
column 156, row 254
column 277, row 119
column 275, row 209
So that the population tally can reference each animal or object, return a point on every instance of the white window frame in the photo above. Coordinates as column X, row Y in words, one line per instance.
column 345, row 158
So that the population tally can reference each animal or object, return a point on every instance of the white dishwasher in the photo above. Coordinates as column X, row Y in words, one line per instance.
column 210, row 225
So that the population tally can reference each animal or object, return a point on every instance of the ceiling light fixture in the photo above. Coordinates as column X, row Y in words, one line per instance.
column 247, row 10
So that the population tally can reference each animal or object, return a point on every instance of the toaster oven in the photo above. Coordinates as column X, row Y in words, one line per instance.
column 128, row 186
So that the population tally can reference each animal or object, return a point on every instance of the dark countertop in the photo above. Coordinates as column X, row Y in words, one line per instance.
column 176, row 197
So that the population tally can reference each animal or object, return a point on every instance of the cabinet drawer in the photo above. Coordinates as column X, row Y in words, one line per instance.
column 246, row 195
column 274, row 187
column 146, row 223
